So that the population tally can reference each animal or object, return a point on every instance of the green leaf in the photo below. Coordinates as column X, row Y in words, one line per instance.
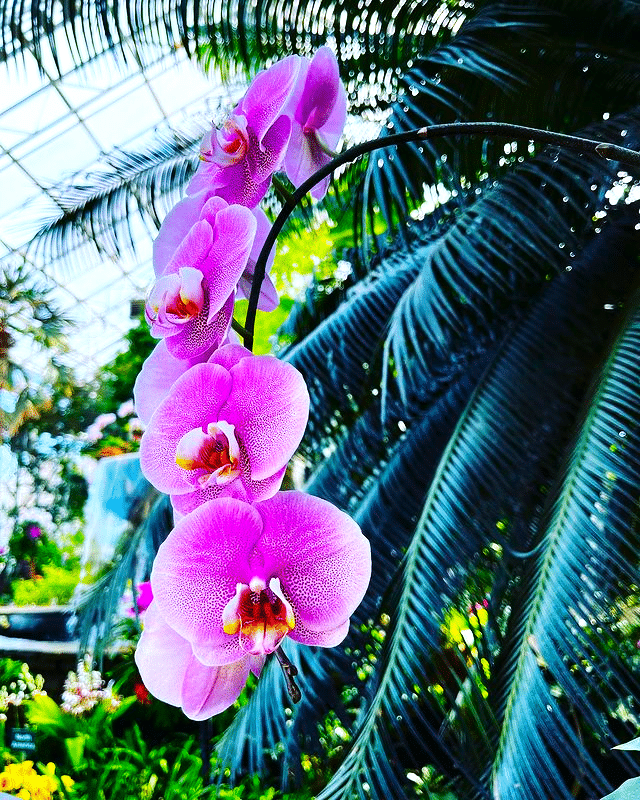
column 630, row 790
column 634, row 744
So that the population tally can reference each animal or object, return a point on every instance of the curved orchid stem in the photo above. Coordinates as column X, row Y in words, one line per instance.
column 496, row 129
column 238, row 328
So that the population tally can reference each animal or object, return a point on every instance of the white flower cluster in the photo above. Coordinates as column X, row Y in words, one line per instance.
column 85, row 689
column 22, row 689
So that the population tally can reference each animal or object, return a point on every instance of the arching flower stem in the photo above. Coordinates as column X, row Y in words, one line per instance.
column 504, row 130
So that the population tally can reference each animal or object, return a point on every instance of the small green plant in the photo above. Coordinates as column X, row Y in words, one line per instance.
column 55, row 587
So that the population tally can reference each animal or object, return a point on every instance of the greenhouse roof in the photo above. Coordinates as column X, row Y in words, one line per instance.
column 55, row 129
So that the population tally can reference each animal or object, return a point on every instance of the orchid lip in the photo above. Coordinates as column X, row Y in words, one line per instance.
column 231, row 142
column 260, row 614
column 175, row 299
column 213, row 454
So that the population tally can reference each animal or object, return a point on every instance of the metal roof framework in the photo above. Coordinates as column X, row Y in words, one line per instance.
column 55, row 127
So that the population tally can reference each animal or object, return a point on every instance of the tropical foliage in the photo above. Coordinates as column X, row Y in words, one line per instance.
column 474, row 389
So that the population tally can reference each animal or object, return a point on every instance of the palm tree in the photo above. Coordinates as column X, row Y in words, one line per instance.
column 475, row 399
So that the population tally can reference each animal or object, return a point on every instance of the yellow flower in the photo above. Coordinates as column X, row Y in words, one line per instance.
column 5, row 781
column 67, row 782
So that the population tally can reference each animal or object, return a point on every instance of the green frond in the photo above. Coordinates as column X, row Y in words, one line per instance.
column 101, row 208
column 489, row 489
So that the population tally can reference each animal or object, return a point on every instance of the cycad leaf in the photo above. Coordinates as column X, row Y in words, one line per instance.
column 490, row 258
column 574, row 590
column 509, row 434
column 480, row 74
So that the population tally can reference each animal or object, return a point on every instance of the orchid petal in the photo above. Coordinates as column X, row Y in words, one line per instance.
column 193, row 250
column 319, row 114
column 161, row 645
column 270, row 408
column 174, row 675
column 197, row 568
column 175, row 226
column 321, row 88
column 155, row 379
column 210, row 690
column 185, row 503
column 330, row 638
column 229, row 355
column 319, row 554
column 234, row 230
column 245, row 489
column 200, row 335
column 265, row 161
column 268, row 94
column 195, row 398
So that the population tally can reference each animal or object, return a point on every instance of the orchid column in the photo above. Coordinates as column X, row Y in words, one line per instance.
column 246, row 565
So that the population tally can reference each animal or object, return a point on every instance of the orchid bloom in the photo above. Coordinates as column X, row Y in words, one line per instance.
column 237, row 162
column 227, row 427
column 161, row 370
column 318, row 116
column 179, row 221
column 191, row 303
column 144, row 596
column 233, row 580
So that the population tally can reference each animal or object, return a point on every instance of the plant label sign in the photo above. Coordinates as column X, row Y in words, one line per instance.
column 22, row 740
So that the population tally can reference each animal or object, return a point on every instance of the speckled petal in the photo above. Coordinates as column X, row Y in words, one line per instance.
column 198, row 566
column 158, row 374
column 185, row 503
column 269, row 407
column 320, row 110
column 176, row 225
column 229, row 355
column 330, row 638
column 199, row 335
column 268, row 94
column 193, row 250
column 172, row 673
column 320, row 92
column 210, row 690
column 234, row 229
column 194, row 400
column 320, row 555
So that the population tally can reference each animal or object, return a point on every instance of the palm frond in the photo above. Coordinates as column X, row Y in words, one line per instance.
column 372, row 42
column 529, row 65
column 101, row 208
column 496, row 470
column 498, row 254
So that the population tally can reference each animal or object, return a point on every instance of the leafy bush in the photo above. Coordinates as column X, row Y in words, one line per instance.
column 56, row 587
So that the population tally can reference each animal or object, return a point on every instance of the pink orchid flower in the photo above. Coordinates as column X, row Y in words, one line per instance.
column 144, row 596
column 161, row 370
column 239, row 160
column 319, row 110
column 191, row 303
column 179, row 221
column 233, row 580
column 227, row 427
